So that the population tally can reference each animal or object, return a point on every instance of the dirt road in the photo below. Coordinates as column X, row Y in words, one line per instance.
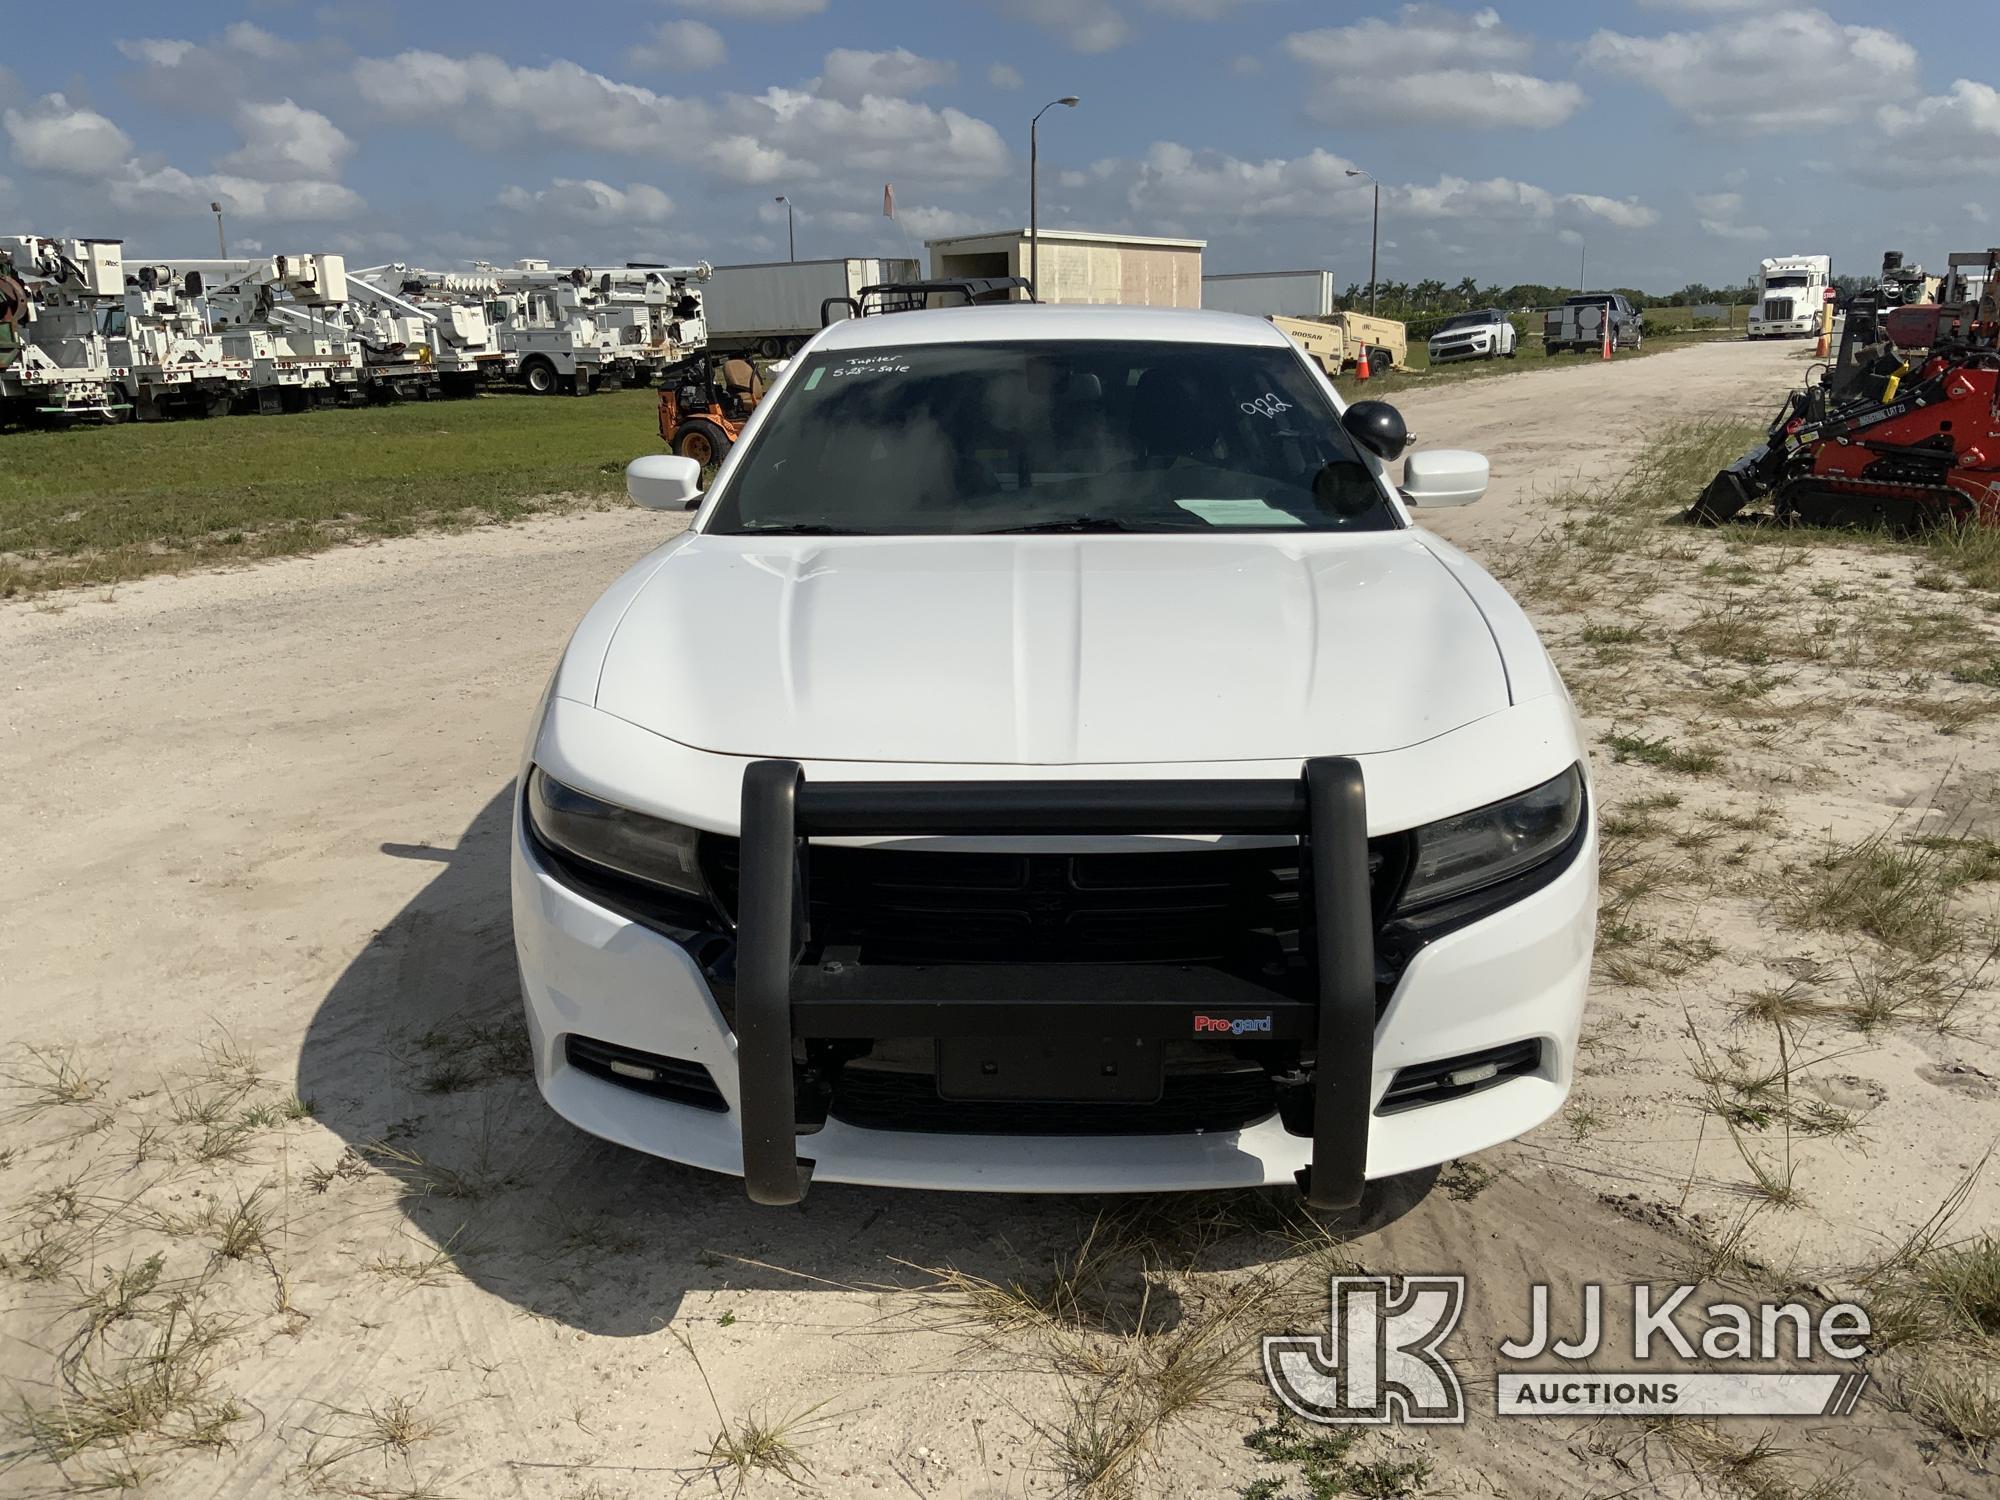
column 257, row 846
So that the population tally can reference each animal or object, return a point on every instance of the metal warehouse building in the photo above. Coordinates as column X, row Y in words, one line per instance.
column 1079, row 265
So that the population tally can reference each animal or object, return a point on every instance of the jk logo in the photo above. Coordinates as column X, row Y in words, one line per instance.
column 1383, row 1364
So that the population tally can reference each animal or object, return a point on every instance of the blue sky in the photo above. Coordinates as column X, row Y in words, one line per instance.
column 1679, row 140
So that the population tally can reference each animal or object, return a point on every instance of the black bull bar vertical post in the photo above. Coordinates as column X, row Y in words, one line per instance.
column 776, row 1002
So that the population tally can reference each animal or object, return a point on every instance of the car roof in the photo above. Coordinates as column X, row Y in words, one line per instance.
column 1035, row 320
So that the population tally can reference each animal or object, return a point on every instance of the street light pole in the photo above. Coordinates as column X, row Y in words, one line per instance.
column 1582, row 263
column 221, row 244
column 1034, row 217
column 1374, row 235
column 791, row 237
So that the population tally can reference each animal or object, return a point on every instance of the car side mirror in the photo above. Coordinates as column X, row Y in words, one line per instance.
column 663, row 481
column 1446, row 477
column 1378, row 427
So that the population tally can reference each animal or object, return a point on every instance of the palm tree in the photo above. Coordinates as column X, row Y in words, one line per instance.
column 1468, row 291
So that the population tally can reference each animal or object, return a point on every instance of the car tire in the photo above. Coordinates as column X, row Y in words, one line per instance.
column 702, row 441
column 539, row 376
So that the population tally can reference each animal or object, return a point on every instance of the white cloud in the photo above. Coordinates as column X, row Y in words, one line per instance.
column 255, row 41
column 1713, row 7
column 850, row 75
column 1430, row 66
column 1081, row 25
column 1726, row 77
column 588, row 201
column 761, row 10
column 680, row 47
column 1620, row 213
column 168, row 192
column 488, row 102
column 1175, row 183
column 1718, row 214
column 1199, row 10
column 900, row 138
column 285, row 143
column 1003, row 76
column 1962, row 125
column 209, row 77
column 53, row 135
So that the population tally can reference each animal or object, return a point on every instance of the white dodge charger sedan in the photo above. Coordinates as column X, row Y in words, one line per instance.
column 1052, row 761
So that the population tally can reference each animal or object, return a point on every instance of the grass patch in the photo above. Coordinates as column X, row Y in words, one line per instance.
column 93, row 505
column 1323, row 1460
column 1899, row 892
column 1694, row 760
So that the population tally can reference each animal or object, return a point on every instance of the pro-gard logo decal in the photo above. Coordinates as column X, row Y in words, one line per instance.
column 1205, row 1025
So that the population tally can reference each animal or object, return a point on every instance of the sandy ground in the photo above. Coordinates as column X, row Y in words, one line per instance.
column 257, row 852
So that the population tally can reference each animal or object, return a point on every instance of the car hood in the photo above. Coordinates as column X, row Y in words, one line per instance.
column 1051, row 650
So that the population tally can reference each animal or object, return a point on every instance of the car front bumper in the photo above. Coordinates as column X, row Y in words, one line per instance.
column 1480, row 346
column 1519, row 974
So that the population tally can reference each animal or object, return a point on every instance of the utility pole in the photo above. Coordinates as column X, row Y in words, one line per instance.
column 1374, row 235
column 791, row 236
column 221, row 244
column 1034, row 220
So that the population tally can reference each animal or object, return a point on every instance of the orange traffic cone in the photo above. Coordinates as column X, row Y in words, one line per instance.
column 1361, row 366
column 1607, row 333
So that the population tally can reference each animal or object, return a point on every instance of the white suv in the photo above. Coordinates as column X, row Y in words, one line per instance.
column 1052, row 761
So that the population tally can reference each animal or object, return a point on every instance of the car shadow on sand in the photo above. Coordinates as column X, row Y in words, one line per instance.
column 418, row 1060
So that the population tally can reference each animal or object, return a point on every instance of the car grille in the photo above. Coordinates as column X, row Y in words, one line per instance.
column 1203, row 905
column 886, row 1099
column 1778, row 310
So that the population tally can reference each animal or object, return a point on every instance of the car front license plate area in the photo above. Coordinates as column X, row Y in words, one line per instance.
column 1078, row 1069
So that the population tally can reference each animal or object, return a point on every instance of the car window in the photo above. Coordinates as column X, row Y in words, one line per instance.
column 1052, row 435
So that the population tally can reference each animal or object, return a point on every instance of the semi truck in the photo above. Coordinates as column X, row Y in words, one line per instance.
column 770, row 308
column 1791, row 293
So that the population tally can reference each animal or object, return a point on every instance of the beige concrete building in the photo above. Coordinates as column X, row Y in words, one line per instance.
column 1079, row 265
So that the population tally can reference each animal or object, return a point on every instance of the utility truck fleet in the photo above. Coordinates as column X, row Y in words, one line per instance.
column 86, row 333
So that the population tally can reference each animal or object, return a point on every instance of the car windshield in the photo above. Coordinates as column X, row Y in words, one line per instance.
column 1470, row 320
column 1051, row 436
column 1773, row 282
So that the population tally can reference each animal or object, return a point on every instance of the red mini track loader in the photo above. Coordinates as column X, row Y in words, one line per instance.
column 1904, row 438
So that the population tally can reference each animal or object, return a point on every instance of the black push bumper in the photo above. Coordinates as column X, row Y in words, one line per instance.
column 780, row 1002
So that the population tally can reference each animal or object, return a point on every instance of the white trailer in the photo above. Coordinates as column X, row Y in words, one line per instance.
column 1791, row 294
column 60, row 295
column 1263, row 294
column 772, row 307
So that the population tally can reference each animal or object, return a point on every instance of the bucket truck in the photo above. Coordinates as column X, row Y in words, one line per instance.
column 57, row 297
column 591, row 329
column 424, row 330
column 172, row 360
column 286, row 316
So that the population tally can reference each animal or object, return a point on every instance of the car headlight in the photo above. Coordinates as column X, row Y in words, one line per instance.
column 603, row 833
column 1488, row 844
